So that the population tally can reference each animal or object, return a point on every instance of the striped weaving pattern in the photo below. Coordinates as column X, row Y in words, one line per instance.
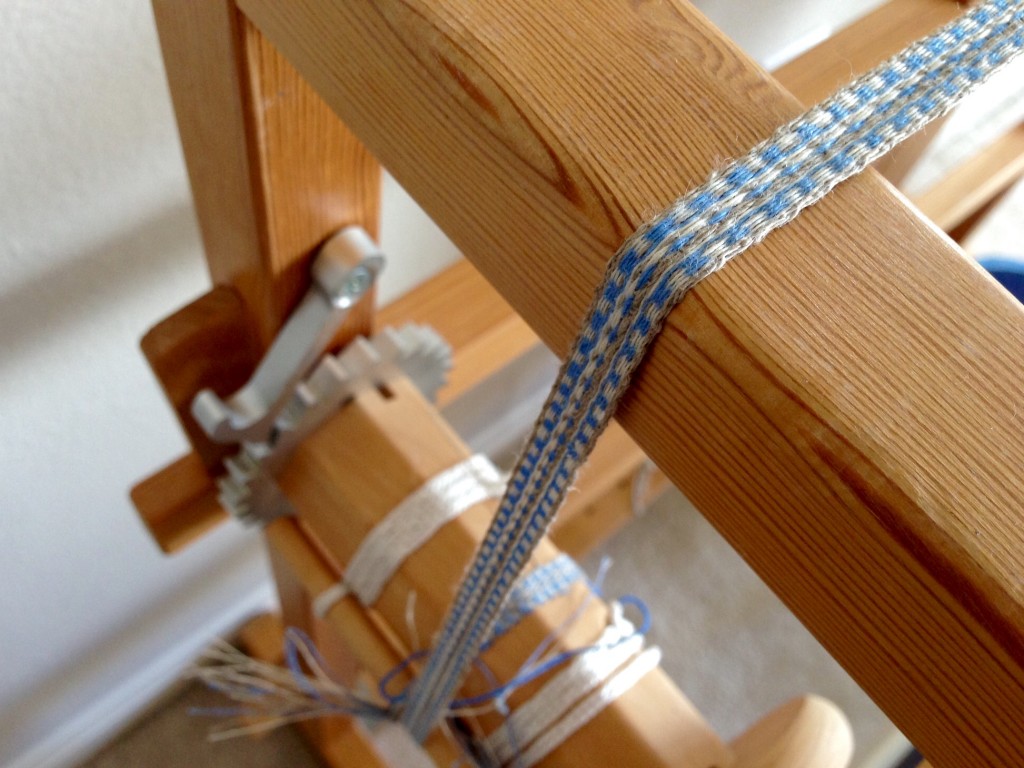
column 736, row 208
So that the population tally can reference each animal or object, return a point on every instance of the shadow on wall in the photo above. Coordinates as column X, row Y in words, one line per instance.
column 35, row 311
column 133, row 667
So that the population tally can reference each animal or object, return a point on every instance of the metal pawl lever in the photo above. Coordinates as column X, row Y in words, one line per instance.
column 249, row 414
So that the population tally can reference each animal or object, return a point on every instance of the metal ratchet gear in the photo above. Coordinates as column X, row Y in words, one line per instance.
column 296, row 388
column 417, row 352
column 344, row 270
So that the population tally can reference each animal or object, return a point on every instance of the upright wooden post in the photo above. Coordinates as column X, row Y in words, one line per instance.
column 842, row 402
column 273, row 170
column 273, row 173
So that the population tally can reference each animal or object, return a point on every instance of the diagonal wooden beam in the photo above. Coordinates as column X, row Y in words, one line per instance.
column 862, row 45
column 842, row 402
column 976, row 182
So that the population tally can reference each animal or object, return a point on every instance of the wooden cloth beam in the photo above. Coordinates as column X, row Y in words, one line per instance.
column 364, row 462
column 843, row 402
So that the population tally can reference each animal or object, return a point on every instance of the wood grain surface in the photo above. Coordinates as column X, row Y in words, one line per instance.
column 207, row 344
column 367, row 459
column 273, row 171
column 842, row 402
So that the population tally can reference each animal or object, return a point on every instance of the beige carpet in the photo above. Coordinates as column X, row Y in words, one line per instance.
column 170, row 737
column 729, row 644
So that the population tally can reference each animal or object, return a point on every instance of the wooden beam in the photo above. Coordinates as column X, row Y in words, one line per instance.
column 842, row 402
column 354, row 626
column 273, row 171
column 965, row 228
column 974, row 183
column 805, row 733
column 348, row 639
column 344, row 478
column 178, row 504
column 862, row 45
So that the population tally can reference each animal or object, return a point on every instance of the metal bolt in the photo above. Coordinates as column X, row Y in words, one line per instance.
column 357, row 282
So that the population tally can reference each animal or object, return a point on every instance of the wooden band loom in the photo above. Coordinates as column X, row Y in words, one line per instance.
column 842, row 403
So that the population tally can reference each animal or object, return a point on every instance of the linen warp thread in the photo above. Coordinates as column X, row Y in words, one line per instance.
column 736, row 208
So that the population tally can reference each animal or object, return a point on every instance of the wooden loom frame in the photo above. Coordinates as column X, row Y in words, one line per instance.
column 872, row 460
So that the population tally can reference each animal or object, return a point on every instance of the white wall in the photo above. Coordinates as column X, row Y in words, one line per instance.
column 97, row 242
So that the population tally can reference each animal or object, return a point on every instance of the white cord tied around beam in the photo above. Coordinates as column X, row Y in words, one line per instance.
column 589, row 707
column 409, row 526
column 655, row 267
column 572, row 698
column 581, row 681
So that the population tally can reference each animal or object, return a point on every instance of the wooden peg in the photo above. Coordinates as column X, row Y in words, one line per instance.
column 807, row 732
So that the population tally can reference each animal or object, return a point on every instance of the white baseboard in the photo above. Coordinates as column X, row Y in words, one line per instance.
column 78, row 738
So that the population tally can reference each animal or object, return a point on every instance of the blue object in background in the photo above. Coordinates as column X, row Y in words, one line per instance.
column 1008, row 270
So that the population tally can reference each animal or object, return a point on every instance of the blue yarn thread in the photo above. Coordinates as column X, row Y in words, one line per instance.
column 525, row 676
column 539, row 670
column 544, row 583
column 655, row 267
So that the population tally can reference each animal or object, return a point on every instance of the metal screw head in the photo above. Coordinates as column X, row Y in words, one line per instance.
column 357, row 282
column 347, row 266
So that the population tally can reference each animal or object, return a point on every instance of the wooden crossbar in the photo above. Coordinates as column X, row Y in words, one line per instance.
column 842, row 402
column 975, row 182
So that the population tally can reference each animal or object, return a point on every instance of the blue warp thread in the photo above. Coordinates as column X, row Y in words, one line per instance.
column 544, row 583
column 736, row 208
